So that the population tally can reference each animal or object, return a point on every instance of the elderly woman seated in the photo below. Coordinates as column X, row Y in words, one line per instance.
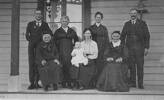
column 48, row 63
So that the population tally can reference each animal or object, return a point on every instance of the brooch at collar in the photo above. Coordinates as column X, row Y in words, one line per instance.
column 34, row 26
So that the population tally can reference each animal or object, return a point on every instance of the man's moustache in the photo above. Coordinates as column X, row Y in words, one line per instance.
column 133, row 16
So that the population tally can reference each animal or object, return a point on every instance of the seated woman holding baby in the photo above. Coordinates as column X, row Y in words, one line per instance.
column 83, row 65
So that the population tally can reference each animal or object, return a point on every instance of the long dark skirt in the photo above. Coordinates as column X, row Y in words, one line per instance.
column 50, row 73
column 113, row 78
column 83, row 74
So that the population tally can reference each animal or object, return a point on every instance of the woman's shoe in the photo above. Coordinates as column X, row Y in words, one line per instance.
column 32, row 86
column 46, row 88
column 55, row 87
column 37, row 86
column 81, row 88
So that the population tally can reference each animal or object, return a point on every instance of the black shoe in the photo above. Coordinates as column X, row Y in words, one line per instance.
column 69, row 85
column 32, row 86
column 75, row 86
column 37, row 86
column 132, row 85
column 46, row 88
column 55, row 87
column 141, row 87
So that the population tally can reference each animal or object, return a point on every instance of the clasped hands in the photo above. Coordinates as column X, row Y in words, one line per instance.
column 110, row 59
column 43, row 62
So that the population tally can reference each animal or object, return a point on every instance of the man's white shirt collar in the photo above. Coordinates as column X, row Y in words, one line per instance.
column 65, row 29
column 39, row 22
column 133, row 21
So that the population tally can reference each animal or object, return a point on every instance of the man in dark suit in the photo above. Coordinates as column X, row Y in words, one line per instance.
column 135, row 35
column 34, row 32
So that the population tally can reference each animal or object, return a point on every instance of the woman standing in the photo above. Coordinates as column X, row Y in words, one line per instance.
column 86, row 72
column 100, row 36
column 114, row 75
column 48, row 63
column 65, row 38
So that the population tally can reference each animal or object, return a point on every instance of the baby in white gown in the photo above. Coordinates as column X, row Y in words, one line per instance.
column 78, row 55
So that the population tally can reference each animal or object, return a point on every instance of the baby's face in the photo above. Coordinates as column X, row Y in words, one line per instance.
column 46, row 38
column 77, row 45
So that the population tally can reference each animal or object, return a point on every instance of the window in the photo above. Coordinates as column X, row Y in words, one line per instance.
column 73, row 10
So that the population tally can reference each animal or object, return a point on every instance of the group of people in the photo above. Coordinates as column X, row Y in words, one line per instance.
column 62, row 59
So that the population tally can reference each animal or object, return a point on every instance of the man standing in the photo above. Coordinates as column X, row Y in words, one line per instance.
column 135, row 35
column 34, row 31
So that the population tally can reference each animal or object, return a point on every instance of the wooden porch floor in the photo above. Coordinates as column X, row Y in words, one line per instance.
column 149, row 93
column 149, row 90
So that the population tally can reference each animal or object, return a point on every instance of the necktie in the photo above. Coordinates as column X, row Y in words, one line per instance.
column 38, row 24
column 133, row 22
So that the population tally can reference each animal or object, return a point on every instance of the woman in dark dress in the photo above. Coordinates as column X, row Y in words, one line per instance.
column 85, row 73
column 100, row 36
column 65, row 38
column 113, row 77
column 48, row 63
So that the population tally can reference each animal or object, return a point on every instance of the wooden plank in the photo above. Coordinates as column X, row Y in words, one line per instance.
column 153, row 56
column 31, row 5
column 5, row 1
column 155, row 70
column 5, row 25
column 123, row 10
column 5, row 18
column 155, row 22
column 157, row 83
column 5, row 11
column 156, row 36
column 120, row 22
column 155, row 77
column 27, row 11
column 5, row 44
column 4, row 70
column 156, row 43
column 4, row 78
column 6, row 37
column 112, row 10
column 9, row 1
column 100, row 4
column 153, row 16
column 152, row 64
column 156, row 3
column 5, row 57
column 155, row 9
column 8, row 44
column 112, row 16
column 26, row 18
column 3, row 5
column 26, row 5
column 5, row 31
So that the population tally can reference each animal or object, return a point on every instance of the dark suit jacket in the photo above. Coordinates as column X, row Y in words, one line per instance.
column 34, row 33
column 141, row 31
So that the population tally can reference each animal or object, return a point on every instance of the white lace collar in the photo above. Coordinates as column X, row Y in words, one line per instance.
column 115, row 44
